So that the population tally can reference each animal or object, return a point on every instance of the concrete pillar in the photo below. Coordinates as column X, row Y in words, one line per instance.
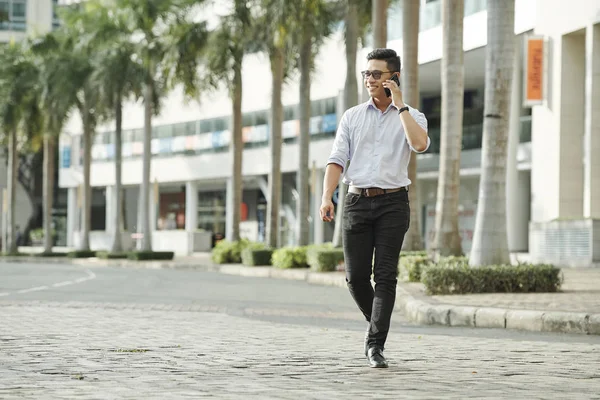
column 39, row 16
column 71, row 215
column 228, row 209
column 318, row 194
column 109, row 199
column 572, row 115
column 513, row 224
column 591, row 141
column 191, row 206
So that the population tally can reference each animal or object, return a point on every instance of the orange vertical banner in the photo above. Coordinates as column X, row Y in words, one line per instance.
column 534, row 71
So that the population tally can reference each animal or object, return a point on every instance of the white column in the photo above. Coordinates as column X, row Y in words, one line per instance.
column 191, row 206
column 71, row 215
column 513, row 225
column 109, row 199
column 591, row 138
column 318, row 194
column 228, row 209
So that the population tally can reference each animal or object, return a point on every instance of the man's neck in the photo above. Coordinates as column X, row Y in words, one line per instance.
column 382, row 103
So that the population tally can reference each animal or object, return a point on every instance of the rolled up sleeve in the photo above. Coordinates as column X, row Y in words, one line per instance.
column 421, row 120
column 340, row 153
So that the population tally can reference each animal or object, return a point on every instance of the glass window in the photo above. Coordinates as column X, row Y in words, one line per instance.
column 13, row 15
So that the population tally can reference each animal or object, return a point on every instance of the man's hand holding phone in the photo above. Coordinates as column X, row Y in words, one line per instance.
column 326, row 210
column 393, row 86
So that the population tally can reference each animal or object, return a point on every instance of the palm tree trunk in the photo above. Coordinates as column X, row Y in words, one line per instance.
column 273, row 203
column 410, row 92
column 145, row 187
column 490, row 241
column 11, row 245
column 302, row 229
column 48, row 191
column 447, row 240
column 87, row 189
column 237, row 149
column 117, row 244
column 379, row 18
column 350, row 100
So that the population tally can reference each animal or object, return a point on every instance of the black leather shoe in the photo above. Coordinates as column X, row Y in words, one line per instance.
column 376, row 358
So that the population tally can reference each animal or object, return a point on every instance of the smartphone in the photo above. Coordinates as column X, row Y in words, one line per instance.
column 394, row 78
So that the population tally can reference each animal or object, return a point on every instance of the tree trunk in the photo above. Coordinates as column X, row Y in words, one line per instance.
column 350, row 100
column 144, row 225
column 273, row 203
column 86, row 219
column 237, row 149
column 11, row 183
column 117, row 244
column 490, row 241
column 379, row 20
column 48, row 191
column 410, row 92
column 447, row 240
column 302, row 229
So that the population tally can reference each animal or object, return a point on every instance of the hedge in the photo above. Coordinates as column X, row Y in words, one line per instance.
column 226, row 252
column 106, row 255
column 412, row 266
column 257, row 254
column 324, row 258
column 458, row 278
column 81, row 254
column 150, row 255
column 290, row 257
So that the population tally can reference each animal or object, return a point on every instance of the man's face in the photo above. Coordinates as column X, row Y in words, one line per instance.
column 375, row 86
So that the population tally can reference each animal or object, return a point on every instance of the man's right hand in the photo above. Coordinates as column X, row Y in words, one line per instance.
column 326, row 210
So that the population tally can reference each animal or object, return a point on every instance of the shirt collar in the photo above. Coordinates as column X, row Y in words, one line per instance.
column 371, row 103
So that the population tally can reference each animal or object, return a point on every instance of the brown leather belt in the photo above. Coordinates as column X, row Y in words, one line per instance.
column 371, row 192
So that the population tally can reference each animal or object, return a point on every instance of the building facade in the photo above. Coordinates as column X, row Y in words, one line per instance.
column 191, row 165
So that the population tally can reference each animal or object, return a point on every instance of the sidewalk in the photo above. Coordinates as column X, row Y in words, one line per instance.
column 574, row 310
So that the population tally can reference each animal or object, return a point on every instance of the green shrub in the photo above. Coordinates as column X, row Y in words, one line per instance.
column 52, row 254
column 290, row 257
column 150, row 255
column 412, row 266
column 81, row 254
column 324, row 258
column 256, row 254
column 418, row 253
column 106, row 255
column 226, row 252
column 456, row 277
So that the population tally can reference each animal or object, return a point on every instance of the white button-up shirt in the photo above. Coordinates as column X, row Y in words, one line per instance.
column 375, row 144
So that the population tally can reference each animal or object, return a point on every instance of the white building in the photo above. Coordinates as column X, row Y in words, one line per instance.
column 18, row 19
column 191, row 166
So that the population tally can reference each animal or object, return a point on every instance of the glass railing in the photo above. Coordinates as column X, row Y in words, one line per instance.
column 430, row 15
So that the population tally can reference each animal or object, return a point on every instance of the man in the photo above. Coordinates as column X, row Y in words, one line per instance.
column 377, row 137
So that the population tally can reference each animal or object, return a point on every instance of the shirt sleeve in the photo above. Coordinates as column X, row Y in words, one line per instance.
column 420, row 119
column 340, row 153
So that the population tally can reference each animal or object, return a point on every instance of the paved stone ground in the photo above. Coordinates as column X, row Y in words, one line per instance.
column 580, row 293
column 91, row 350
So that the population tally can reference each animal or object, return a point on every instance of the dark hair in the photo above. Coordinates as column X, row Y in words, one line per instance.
column 389, row 56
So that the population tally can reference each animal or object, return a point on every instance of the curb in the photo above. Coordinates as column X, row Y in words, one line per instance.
column 416, row 310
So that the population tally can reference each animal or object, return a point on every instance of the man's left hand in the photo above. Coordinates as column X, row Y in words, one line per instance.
column 396, row 93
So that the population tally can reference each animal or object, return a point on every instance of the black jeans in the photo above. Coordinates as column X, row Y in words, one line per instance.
column 374, row 223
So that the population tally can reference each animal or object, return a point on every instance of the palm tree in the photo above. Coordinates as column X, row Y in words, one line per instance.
column 275, row 20
column 447, row 240
column 355, row 27
column 410, row 93
column 225, row 55
column 379, row 25
column 116, row 76
column 490, row 241
column 314, row 23
column 168, row 45
column 18, row 101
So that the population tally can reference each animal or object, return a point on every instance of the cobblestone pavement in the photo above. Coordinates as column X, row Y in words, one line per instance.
column 580, row 293
column 96, row 351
